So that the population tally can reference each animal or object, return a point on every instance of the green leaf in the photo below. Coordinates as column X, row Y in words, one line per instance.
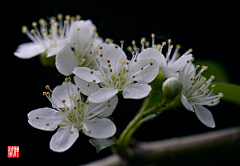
column 230, row 91
column 101, row 144
column 214, row 68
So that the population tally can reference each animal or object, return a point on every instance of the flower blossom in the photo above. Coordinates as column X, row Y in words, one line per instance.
column 170, row 66
column 74, row 51
column 116, row 74
column 195, row 93
column 72, row 115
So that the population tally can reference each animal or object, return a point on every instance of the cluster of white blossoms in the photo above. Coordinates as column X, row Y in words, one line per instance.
column 102, row 72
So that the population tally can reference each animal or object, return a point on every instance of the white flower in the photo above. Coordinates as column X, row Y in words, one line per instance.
column 72, row 115
column 74, row 51
column 117, row 74
column 195, row 93
column 170, row 66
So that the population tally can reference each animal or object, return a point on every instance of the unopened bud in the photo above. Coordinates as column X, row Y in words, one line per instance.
column 171, row 88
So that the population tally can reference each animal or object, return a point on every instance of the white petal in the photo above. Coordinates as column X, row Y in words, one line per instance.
column 136, row 91
column 102, row 95
column 84, row 89
column 106, row 108
column 45, row 119
column 85, row 74
column 55, row 50
column 146, row 75
column 185, row 103
column 83, row 36
column 99, row 128
column 152, row 53
column 63, row 139
column 29, row 50
column 61, row 92
column 179, row 63
column 111, row 53
column 66, row 61
column 204, row 115
column 167, row 73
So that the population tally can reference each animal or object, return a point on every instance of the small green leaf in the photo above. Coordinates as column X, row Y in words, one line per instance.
column 214, row 68
column 230, row 91
column 101, row 144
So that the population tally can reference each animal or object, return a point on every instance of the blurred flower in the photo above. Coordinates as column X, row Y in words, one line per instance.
column 73, row 115
column 117, row 74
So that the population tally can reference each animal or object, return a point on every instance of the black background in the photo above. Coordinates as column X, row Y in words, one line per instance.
column 211, row 29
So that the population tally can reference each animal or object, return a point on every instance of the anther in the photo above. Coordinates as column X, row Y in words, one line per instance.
column 37, row 117
column 213, row 86
column 163, row 43
column 193, row 59
column 151, row 63
column 78, row 88
column 90, row 44
column 63, row 110
column 111, row 70
column 147, row 43
column 109, row 65
column 63, row 101
column 47, row 124
column 169, row 41
column 78, row 17
column 108, row 61
column 67, row 108
column 59, row 16
column 83, row 60
column 181, row 70
column 74, row 42
column 133, row 53
column 44, row 93
column 82, row 104
column 91, row 72
column 138, row 50
column 129, row 48
column 152, row 35
column 117, row 79
column 119, row 74
column 133, row 76
column 67, row 17
column 88, row 85
column 78, row 29
column 34, row 24
column 197, row 66
column 87, row 102
column 193, row 83
column 171, row 46
column 212, row 77
column 47, row 94
column 95, row 29
column 90, row 52
column 100, row 47
column 66, row 79
column 220, row 94
column 178, row 46
column 91, row 67
column 141, row 68
column 108, row 105
column 122, row 42
column 190, row 50
column 199, row 90
column 71, row 131
column 75, row 107
column 101, row 55
column 32, row 31
column 24, row 29
column 93, row 80
column 91, row 60
column 212, row 101
column 65, row 21
column 133, row 42
column 89, row 131
column 191, row 78
column 47, row 87
column 108, row 100
column 116, row 46
column 127, row 70
column 187, row 61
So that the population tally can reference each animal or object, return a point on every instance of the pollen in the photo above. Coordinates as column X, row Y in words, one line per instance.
column 66, row 80
column 47, row 124
column 129, row 48
column 74, row 42
column 109, row 105
column 119, row 74
column 190, row 50
column 133, row 42
column 122, row 42
column 187, row 61
column 75, row 107
column 199, row 90
column 67, row 17
column 34, row 24
column 59, row 16
column 138, row 50
column 93, row 80
column 67, row 108
column 212, row 101
column 191, row 78
column 108, row 100
column 65, row 21
column 37, row 117
column 91, row 67
column 100, row 47
column 197, row 66
column 181, row 70
column 91, row 72
column 24, row 29
column 108, row 61
column 220, row 94
column 62, row 110
column 213, row 86
column 44, row 93
column 111, row 70
column 152, row 35
column 151, row 63
column 87, row 102
column 141, row 68
column 109, row 65
column 164, row 43
column 63, row 101
column 47, row 87
column 90, row 52
column 82, row 104
column 116, row 46
column 171, row 46
column 101, row 55
column 147, row 43
column 88, row 85
column 78, row 88
column 193, row 83
column 133, row 76
column 127, row 70
column 133, row 53
column 83, row 60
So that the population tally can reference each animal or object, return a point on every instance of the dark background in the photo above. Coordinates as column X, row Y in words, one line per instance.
column 211, row 29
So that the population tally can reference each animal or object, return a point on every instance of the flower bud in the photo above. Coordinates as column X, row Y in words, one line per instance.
column 171, row 88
